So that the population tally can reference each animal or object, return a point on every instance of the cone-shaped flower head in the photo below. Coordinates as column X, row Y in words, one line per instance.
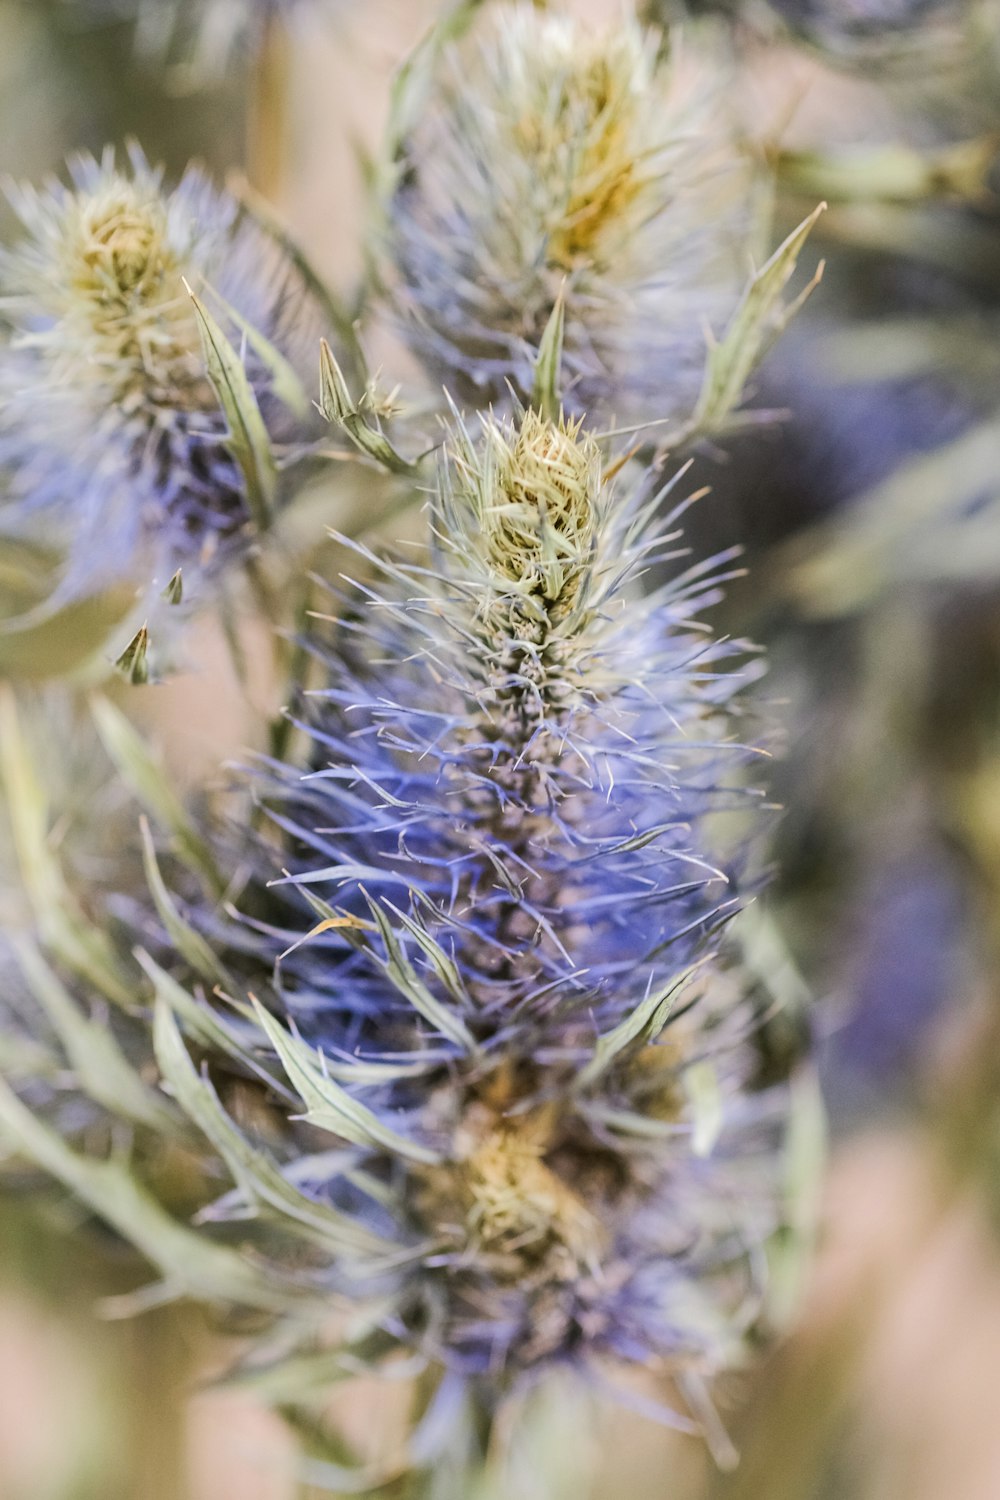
column 551, row 153
column 494, row 1062
column 511, row 1007
column 112, row 438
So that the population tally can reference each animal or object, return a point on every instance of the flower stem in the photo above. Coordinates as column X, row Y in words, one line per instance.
column 267, row 118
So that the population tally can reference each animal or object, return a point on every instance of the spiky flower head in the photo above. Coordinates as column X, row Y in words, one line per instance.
column 113, row 442
column 488, row 953
column 553, row 153
column 491, row 1050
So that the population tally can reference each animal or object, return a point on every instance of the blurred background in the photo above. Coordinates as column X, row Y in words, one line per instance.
column 868, row 508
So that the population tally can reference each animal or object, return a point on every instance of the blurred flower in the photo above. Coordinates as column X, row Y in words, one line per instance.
column 201, row 36
column 114, row 448
column 915, row 36
column 551, row 154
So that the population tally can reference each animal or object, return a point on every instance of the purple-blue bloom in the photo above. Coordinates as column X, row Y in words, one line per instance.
column 508, row 864
column 113, row 445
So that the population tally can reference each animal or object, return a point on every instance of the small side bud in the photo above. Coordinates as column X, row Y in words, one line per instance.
column 338, row 406
column 174, row 591
column 133, row 664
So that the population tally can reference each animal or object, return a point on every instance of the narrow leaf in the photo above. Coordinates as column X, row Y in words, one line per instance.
column 408, row 982
column 72, row 938
column 143, row 776
column 248, row 439
column 189, row 1261
column 757, row 321
column 337, row 405
column 101, row 1067
column 331, row 1107
column 640, row 1027
column 545, row 396
column 258, row 1176
column 189, row 943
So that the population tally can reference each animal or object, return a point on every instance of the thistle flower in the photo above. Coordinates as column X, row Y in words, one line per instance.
column 551, row 155
column 480, row 955
column 516, row 764
column 114, row 447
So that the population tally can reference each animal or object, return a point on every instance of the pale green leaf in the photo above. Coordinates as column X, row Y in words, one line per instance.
column 190, row 1262
column 759, row 318
column 337, row 405
column 258, row 1177
column 329, row 1107
column 640, row 1027
column 285, row 383
column 74, row 940
column 248, row 439
column 189, row 943
column 143, row 776
column 102, row 1070
column 408, row 982
column 545, row 396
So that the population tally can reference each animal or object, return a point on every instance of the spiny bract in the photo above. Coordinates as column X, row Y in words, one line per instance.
column 551, row 154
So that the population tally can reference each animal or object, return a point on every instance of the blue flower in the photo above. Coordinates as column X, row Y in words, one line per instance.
column 496, row 948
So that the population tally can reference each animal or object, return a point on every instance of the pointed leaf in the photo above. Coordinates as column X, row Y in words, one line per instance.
column 756, row 323
column 639, row 1028
column 189, row 943
column 258, row 1176
column 189, row 1261
column 248, row 438
column 174, row 591
column 331, row 1107
column 133, row 664
column 101, row 1067
column 545, row 395
column 134, row 760
column 408, row 982
column 337, row 405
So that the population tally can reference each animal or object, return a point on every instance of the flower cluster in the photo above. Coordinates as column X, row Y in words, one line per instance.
column 447, row 1029
column 491, row 968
